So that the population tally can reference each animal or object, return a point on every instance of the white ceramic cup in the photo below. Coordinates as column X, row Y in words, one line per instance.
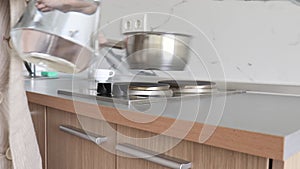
column 103, row 74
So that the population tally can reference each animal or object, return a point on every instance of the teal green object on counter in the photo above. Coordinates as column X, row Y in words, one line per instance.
column 49, row 74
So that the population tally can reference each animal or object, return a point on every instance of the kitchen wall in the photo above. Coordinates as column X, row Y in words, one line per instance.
column 245, row 41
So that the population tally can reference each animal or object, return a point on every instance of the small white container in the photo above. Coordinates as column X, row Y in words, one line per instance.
column 102, row 75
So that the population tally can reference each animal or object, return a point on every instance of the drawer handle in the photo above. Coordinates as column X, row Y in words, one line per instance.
column 83, row 134
column 151, row 156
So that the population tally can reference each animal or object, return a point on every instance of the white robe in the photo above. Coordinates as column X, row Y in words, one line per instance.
column 16, row 128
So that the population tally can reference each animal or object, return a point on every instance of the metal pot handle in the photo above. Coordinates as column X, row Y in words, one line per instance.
column 114, row 44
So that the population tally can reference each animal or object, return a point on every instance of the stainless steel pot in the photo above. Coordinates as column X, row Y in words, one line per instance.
column 57, row 40
column 157, row 50
column 154, row 50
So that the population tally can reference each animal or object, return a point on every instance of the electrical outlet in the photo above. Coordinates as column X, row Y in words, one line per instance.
column 134, row 23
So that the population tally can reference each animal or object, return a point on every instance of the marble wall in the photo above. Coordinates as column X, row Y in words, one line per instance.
column 234, row 40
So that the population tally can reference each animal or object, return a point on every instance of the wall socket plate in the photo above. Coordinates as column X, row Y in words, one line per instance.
column 134, row 23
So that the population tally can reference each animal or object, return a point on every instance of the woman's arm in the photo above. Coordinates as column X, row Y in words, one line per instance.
column 81, row 6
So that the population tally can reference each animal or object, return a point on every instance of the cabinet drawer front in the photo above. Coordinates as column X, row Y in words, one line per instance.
column 154, row 157
column 201, row 156
column 68, row 151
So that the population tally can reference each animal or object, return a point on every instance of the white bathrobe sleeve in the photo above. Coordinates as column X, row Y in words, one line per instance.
column 16, row 129
column 4, row 73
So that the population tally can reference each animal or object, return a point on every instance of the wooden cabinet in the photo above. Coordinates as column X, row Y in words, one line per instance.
column 151, row 142
column 66, row 151
column 61, row 150
column 201, row 156
column 207, row 157
column 38, row 114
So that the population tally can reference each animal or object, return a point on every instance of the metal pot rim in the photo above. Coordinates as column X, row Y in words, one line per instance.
column 55, row 35
column 157, row 33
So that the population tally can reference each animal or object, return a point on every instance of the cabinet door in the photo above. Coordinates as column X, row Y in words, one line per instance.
column 208, row 157
column 38, row 114
column 201, row 156
column 67, row 151
column 183, row 150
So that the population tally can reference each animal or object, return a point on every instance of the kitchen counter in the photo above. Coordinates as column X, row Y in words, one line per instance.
column 261, row 124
